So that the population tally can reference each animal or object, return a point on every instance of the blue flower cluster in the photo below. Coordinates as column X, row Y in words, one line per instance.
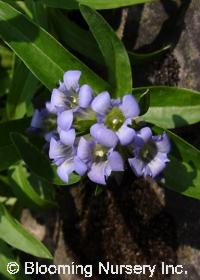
column 95, row 135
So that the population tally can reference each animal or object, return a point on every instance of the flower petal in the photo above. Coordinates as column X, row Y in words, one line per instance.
column 103, row 135
column 71, row 79
column 59, row 152
column 85, row 150
column 85, row 96
column 162, row 156
column 65, row 169
column 58, row 99
column 56, row 150
column 137, row 165
column 162, row 143
column 116, row 102
column 156, row 166
column 37, row 120
column 50, row 108
column 115, row 161
column 101, row 103
column 143, row 136
column 129, row 106
column 50, row 134
column 97, row 173
column 62, row 87
column 79, row 166
column 67, row 137
column 126, row 135
column 65, row 119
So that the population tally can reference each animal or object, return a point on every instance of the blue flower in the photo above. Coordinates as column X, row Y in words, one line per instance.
column 100, row 160
column 69, row 95
column 150, row 153
column 114, row 118
column 70, row 101
column 38, row 118
column 43, row 122
column 110, row 123
column 65, row 157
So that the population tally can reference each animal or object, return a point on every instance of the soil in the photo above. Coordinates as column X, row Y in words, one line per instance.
column 125, row 224
column 136, row 221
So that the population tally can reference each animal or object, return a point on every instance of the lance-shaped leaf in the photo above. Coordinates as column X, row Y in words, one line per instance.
column 7, row 256
column 113, row 51
column 142, row 58
column 80, row 40
column 12, row 126
column 37, row 161
column 11, row 231
column 38, row 12
column 6, row 58
column 41, row 53
column 23, row 87
column 24, row 187
column 75, row 37
column 183, row 171
column 144, row 102
column 24, row 84
column 8, row 153
column 171, row 107
column 8, row 156
column 96, row 4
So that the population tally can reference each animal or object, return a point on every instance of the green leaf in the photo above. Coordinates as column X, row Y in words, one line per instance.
column 42, row 54
column 7, row 256
column 12, row 232
column 23, row 87
column 4, row 81
column 6, row 57
column 8, row 153
column 76, row 37
column 23, row 187
column 38, row 12
column 183, row 171
column 141, row 58
column 144, row 102
column 171, row 107
column 113, row 51
column 80, row 40
column 97, row 4
column 5, row 190
column 38, row 162
column 12, row 126
column 8, row 156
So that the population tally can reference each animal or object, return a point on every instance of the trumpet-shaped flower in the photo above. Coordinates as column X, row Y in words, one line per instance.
column 150, row 153
column 69, row 95
column 65, row 157
column 38, row 118
column 44, row 122
column 114, row 118
column 108, row 124
column 100, row 160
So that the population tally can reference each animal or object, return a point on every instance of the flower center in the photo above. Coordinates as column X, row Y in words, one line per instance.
column 100, row 153
column 148, row 151
column 84, row 119
column 115, row 119
column 73, row 100
column 50, row 122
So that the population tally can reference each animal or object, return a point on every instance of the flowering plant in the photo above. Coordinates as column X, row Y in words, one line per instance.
column 93, row 124
column 113, row 132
